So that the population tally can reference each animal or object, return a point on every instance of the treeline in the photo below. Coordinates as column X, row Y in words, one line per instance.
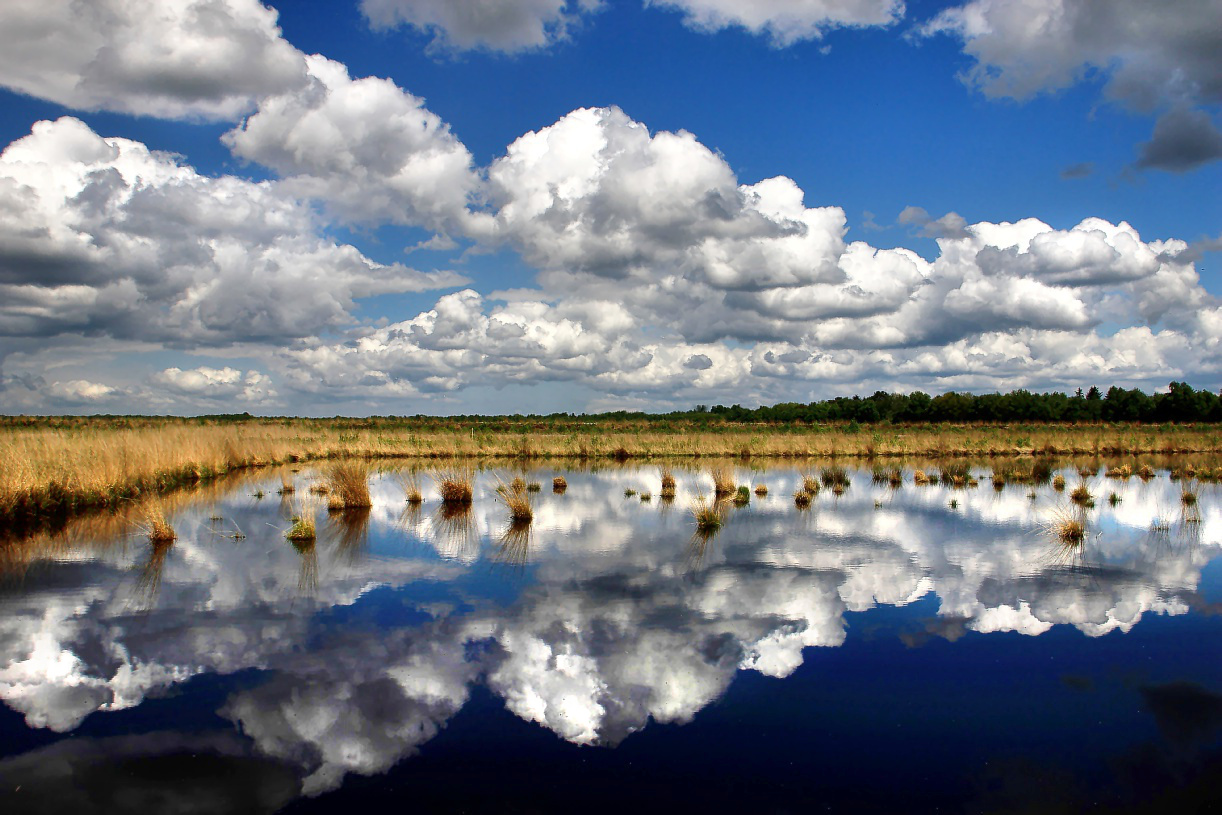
column 1180, row 404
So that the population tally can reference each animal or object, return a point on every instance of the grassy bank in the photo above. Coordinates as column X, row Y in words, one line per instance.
column 54, row 468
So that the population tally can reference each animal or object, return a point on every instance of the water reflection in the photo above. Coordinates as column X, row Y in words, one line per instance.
column 603, row 614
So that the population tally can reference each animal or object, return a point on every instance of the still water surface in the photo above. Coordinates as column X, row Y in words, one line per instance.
column 917, row 649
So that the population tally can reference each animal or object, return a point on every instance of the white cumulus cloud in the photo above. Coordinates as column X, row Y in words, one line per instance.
column 167, row 58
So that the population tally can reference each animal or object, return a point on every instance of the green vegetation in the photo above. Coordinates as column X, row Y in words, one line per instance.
column 707, row 515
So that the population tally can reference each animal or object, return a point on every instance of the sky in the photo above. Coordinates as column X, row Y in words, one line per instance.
column 458, row 206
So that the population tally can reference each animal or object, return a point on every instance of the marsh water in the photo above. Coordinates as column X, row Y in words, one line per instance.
column 911, row 649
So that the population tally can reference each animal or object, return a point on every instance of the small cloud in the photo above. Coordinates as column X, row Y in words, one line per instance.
column 1080, row 170
column 1184, row 139
column 698, row 362
column 950, row 225
column 868, row 222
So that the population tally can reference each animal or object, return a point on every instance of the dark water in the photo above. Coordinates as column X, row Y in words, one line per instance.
column 884, row 651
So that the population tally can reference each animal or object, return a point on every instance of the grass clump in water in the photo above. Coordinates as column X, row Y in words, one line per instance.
column 516, row 498
column 723, row 481
column 835, row 476
column 668, row 483
column 629, row 492
column 348, row 483
column 454, row 487
column 559, row 485
column 921, row 478
column 1058, row 483
column 801, row 499
column 157, row 526
column 411, row 490
column 1188, row 497
column 742, row 496
column 761, row 490
column 1081, row 496
column 706, row 514
column 303, row 528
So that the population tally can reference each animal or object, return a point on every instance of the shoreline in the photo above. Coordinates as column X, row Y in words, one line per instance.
column 59, row 470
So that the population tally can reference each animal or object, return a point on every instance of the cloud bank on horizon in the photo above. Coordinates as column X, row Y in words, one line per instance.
column 660, row 277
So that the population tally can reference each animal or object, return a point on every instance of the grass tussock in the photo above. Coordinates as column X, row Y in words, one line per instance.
column 646, row 497
column 454, row 487
column 801, row 499
column 921, row 478
column 1081, row 496
column 559, row 485
column 1145, row 472
column 516, row 497
column 723, row 481
column 1069, row 530
column 303, row 529
column 156, row 526
column 668, row 483
column 834, row 476
column 348, row 486
column 1058, row 483
column 706, row 514
column 286, row 484
column 810, row 485
column 1121, row 471
column 1188, row 497
column 56, row 467
column 411, row 489
column 761, row 490
column 742, row 496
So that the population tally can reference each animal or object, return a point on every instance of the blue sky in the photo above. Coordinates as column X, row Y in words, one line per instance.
column 588, row 179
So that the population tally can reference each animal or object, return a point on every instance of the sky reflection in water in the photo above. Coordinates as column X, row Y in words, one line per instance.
column 797, row 649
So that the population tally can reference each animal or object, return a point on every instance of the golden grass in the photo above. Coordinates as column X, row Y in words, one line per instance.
column 559, row 484
column 1081, row 496
column 1188, row 497
column 1067, row 529
column 411, row 489
column 706, row 514
column 516, row 498
column 56, row 467
column 156, row 526
column 1058, row 483
column 286, row 484
column 303, row 529
column 801, row 498
column 921, row 478
column 810, row 485
column 454, row 486
column 668, row 483
column 348, row 482
column 723, row 480
column 761, row 490
column 834, row 476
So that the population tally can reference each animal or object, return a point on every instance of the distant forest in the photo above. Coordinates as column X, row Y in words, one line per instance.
column 1180, row 404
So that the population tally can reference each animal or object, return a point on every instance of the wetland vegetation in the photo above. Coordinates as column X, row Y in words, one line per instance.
column 56, row 467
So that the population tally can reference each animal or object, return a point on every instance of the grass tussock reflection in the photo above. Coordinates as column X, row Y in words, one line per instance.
column 307, row 575
column 149, row 572
column 457, row 536
column 513, row 551
column 350, row 531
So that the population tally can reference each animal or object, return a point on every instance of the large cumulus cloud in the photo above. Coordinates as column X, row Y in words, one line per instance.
column 173, row 59
column 1152, row 60
column 106, row 237
column 368, row 149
